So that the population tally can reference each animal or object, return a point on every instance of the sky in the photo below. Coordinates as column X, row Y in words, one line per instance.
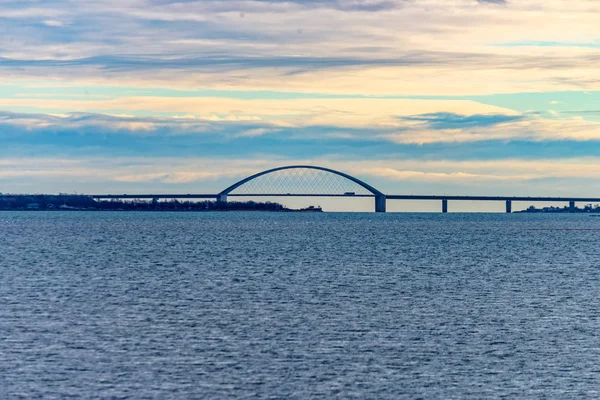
column 464, row 97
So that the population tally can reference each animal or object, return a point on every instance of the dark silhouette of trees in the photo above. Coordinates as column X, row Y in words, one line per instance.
column 83, row 202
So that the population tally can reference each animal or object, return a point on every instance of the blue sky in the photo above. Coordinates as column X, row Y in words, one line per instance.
column 423, row 96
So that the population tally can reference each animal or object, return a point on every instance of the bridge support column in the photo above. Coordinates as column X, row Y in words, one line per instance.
column 380, row 203
column 445, row 205
column 571, row 206
column 222, row 199
column 508, row 206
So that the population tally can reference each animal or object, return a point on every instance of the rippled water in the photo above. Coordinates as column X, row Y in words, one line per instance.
column 258, row 305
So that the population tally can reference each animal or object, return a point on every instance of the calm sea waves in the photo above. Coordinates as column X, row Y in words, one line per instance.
column 259, row 305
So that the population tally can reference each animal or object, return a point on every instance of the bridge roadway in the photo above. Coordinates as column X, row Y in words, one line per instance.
column 444, row 198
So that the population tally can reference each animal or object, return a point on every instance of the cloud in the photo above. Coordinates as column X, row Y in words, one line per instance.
column 287, row 5
column 453, row 121
column 218, row 172
column 296, row 64
column 345, row 123
column 355, row 46
column 171, row 177
column 423, row 72
column 257, row 132
column 420, row 176
column 53, row 22
column 79, row 121
column 369, row 113
column 453, row 128
column 521, row 133
column 344, row 5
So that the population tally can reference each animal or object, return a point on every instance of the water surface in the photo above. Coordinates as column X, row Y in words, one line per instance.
column 277, row 305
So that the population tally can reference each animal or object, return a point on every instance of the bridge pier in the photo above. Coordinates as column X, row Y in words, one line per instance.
column 222, row 198
column 508, row 206
column 445, row 205
column 571, row 206
column 380, row 203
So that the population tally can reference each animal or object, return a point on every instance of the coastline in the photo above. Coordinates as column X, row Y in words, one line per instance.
column 285, row 210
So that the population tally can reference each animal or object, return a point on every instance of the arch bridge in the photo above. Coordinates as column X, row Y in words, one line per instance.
column 315, row 181
column 303, row 180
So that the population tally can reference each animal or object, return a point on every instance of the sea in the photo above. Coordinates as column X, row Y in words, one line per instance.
column 242, row 305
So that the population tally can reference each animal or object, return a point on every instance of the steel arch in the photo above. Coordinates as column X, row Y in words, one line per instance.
column 236, row 185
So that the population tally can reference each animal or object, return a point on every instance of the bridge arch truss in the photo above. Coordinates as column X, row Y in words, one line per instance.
column 303, row 180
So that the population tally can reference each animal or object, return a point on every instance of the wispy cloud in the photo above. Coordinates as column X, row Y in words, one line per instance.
column 456, row 121
column 306, row 44
column 452, row 128
column 187, row 135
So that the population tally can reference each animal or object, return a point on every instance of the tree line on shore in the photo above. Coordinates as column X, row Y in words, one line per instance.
column 84, row 202
column 588, row 208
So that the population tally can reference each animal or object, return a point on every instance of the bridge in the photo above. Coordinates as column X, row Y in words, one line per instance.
column 314, row 181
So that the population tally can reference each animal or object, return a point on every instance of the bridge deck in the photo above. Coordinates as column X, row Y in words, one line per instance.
column 494, row 198
column 389, row 197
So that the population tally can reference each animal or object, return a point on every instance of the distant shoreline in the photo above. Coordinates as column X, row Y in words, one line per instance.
column 588, row 209
column 67, row 202
column 284, row 210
